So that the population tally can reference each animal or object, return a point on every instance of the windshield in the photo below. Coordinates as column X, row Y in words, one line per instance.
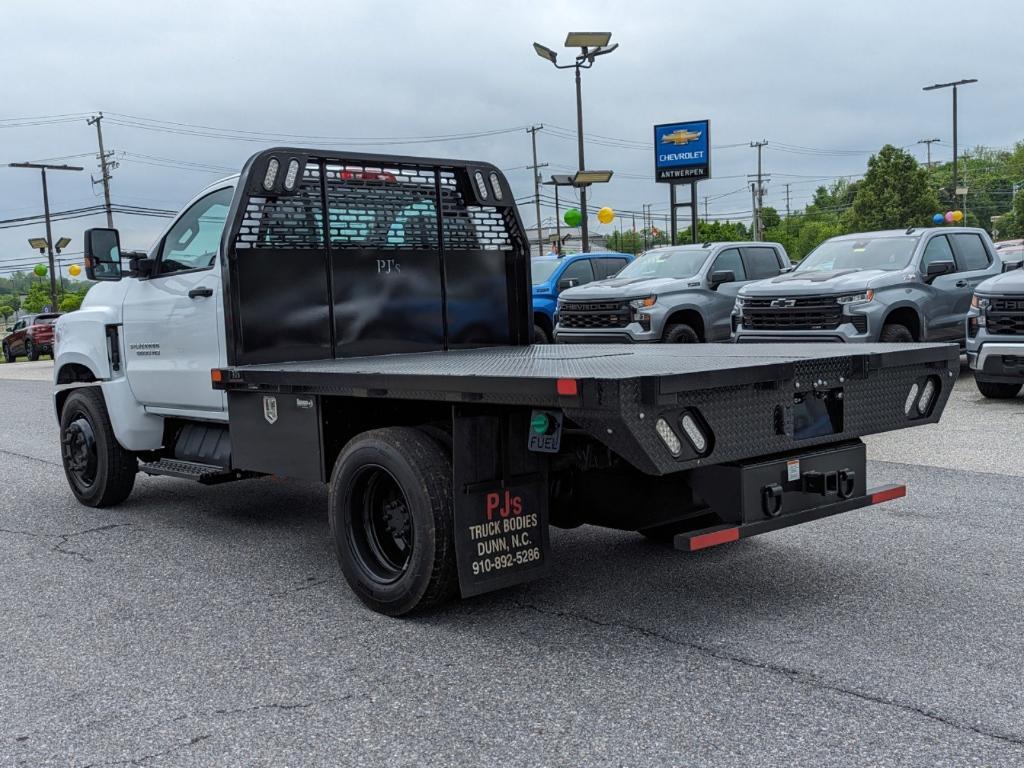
column 888, row 253
column 542, row 269
column 667, row 262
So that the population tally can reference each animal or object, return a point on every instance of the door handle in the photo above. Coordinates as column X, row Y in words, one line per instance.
column 195, row 293
column 959, row 284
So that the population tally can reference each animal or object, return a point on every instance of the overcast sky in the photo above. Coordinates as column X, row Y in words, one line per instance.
column 839, row 79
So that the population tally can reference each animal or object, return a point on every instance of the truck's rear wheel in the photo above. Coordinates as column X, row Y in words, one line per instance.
column 680, row 333
column 894, row 333
column 998, row 390
column 392, row 522
column 100, row 472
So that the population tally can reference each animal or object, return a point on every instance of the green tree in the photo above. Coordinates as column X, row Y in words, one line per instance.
column 69, row 302
column 6, row 310
column 11, row 301
column 894, row 193
column 37, row 298
column 770, row 217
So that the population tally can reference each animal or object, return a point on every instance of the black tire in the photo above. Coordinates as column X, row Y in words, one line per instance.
column 392, row 520
column 540, row 336
column 100, row 472
column 8, row 355
column 998, row 390
column 894, row 333
column 680, row 333
column 30, row 351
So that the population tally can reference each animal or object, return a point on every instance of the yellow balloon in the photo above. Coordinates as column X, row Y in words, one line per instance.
column 74, row 270
column 605, row 215
column 958, row 215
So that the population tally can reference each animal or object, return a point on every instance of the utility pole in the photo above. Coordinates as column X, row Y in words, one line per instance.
column 43, row 167
column 953, row 85
column 928, row 144
column 705, row 207
column 759, row 145
column 106, row 166
column 787, row 199
column 754, row 216
column 532, row 130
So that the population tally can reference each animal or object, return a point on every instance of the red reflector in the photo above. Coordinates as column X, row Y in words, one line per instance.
column 896, row 492
column 567, row 387
column 714, row 538
column 216, row 374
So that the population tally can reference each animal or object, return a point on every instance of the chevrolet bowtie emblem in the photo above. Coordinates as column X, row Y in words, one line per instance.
column 680, row 137
column 783, row 303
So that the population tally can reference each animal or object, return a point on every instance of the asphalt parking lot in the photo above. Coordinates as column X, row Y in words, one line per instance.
column 199, row 626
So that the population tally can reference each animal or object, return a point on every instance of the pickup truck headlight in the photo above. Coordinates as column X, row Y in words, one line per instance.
column 980, row 302
column 856, row 298
column 737, row 308
column 637, row 306
column 647, row 301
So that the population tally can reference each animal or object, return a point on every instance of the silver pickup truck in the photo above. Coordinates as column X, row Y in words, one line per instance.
column 889, row 286
column 995, row 335
column 674, row 294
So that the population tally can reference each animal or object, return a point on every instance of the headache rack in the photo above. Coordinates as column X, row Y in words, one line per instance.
column 335, row 255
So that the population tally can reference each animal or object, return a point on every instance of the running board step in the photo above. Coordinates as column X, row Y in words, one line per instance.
column 207, row 474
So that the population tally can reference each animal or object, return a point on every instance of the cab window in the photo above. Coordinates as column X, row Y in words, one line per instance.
column 937, row 250
column 970, row 252
column 605, row 268
column 194, row 239
column 730, row 260
column 579, row 271
column 761, row 263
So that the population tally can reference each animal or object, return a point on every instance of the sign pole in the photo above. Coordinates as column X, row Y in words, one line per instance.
column 693, row 212
column 672, row 209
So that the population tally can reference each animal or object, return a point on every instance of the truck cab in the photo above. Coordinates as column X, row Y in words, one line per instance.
column 551, row 276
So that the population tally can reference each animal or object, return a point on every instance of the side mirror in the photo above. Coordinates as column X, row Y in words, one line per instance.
column 720, row 276
column 939, row 268
column 790, row 268
column 141, row 266
column 567, row 282
column 102, row 254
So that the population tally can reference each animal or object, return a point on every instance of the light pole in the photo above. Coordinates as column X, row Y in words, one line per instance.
column 558, row 180
column 591, row 45
column 952, row 85
column 43, row 167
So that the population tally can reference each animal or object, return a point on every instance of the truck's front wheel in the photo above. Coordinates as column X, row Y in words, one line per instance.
column 100, row 472
column 392, row 522
column 997, row 390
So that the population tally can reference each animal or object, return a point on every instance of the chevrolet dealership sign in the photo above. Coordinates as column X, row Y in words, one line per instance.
column 682, row 152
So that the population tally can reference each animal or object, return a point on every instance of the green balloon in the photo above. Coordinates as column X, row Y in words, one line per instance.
column 573, row 217
column 40, row 270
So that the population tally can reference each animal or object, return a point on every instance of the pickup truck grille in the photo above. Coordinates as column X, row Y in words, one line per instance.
column 807, row 313
column 1006, row 317
column 593, row 314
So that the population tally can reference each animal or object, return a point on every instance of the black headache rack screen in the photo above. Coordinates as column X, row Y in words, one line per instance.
column 346, row 255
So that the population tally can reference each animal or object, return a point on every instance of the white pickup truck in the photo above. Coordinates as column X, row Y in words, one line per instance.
column 366, row 321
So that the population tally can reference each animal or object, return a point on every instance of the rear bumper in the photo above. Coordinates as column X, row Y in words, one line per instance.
column 710, row 537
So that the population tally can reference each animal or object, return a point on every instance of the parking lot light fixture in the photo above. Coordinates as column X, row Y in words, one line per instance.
column 591, row 45
column 39, row 243
column 586, row 178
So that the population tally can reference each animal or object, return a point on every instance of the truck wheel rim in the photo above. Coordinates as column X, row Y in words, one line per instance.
column 381, row 525
column 79, row 448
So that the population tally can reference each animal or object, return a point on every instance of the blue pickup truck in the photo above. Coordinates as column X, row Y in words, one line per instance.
column 551, row 276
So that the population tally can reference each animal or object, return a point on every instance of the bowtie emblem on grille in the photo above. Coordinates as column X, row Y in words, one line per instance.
column 783, row 303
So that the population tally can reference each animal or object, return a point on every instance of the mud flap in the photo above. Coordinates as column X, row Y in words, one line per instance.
column 501, row 501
